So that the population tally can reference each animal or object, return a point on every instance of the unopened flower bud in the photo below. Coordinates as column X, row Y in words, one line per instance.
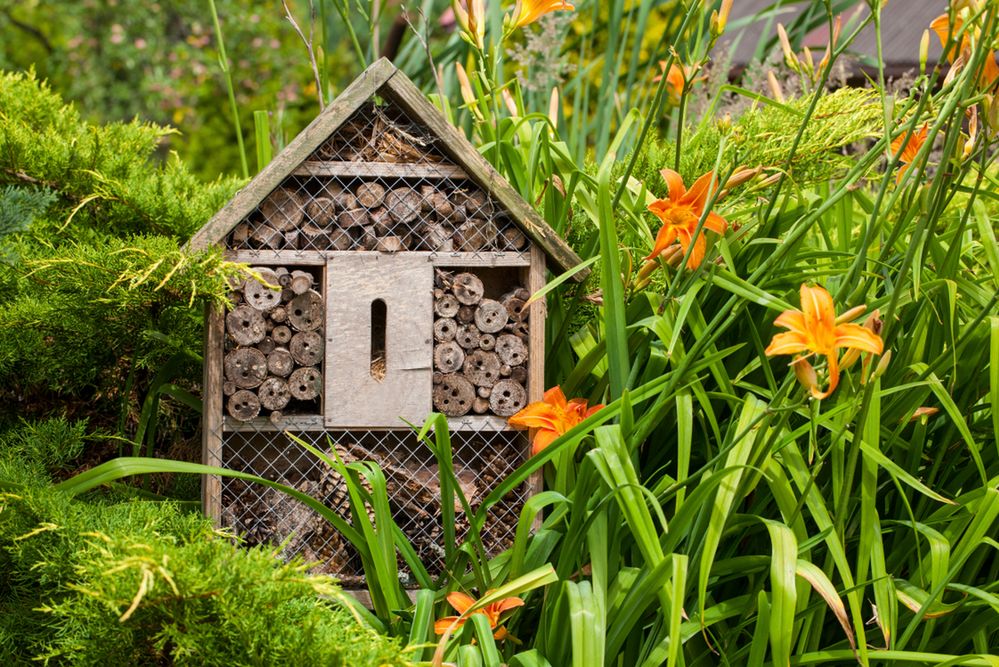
column 882, row 366
column 785, row 45
column 991, row 107
column 775, row 87
column 924, row 51
column 805, row 374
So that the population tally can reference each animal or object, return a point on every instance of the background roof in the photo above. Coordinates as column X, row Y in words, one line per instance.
column 753, row 29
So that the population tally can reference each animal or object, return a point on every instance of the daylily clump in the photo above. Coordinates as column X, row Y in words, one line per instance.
column 552, row 417
column 909, row 149
column 680, row 213
column 815, row 329
column 462, row 603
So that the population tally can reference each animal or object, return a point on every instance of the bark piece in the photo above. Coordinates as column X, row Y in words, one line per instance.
column 508, row 398
column 321, row 210
column 305, row 312
column 283, row 209
column 436, row 237
column 475, row 235
column 511, row 350
column 446, row 306
column 466, row 314
column 306, row 348
column 403, row 204
column 246, row 367
column 240, row 234
column 315, row 237
column 355, row 217
column 265, row 237
column 244, row 405
column 468, row 289
column 445, row 329
column 341, row 240
column 467, row 336
column 280, row 362
column 301, row 282
column 454, row 396
column 262, row 296
column 304, row 384
column 482, row 368
column 245, row 325
column 274, row 394
column 490, row 316
column 267, row 345
column 365, row 237
column 370, row 195
column 514, row 239
column 515, row 309
column 281, row 335
column 448, row 357
column 390, row 244
column 476, row 202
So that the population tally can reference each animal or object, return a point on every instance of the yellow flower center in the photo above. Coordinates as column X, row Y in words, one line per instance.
column 682, row 216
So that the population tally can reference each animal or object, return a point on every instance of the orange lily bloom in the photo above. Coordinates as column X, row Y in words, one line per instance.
column 942, row 26
column 462, row 603
column 909, row 150
column 676, row 80
column 553, row 416
column 680, row 214
column 815, row 330
column 526, row 12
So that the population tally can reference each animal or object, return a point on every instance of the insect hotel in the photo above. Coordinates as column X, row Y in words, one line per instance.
column 396, row 264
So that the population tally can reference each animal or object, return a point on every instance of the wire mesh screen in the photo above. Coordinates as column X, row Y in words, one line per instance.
column 379, row 183
column 265, row 516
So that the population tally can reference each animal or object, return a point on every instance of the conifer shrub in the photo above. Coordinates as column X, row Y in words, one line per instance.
column 143, row 583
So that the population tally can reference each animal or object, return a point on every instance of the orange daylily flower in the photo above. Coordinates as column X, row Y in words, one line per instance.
column 680, row 214
column 462, row 603
column 553, row 416
column 526, row 12
column 676, row 80
column 815, row 330
column 909, row 150
column 942, row 26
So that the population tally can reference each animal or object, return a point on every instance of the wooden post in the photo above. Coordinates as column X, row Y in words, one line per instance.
column 211, row 398
column 536, row 350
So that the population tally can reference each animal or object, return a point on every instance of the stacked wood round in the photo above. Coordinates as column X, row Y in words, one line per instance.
column 383, row 215
column 480, row 351
column 274, row 343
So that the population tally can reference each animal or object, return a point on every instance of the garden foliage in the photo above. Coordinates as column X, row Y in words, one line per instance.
column 764, row 484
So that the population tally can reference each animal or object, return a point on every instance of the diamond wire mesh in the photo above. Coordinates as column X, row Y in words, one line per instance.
column 262, row 515
column 379, row 183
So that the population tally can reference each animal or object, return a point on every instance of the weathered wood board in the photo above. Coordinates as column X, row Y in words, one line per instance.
column 355, row 397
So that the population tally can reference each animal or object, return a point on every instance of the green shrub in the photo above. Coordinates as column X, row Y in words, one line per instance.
column 142, row 583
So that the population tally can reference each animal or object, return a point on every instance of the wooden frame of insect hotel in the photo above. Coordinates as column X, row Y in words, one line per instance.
column 394, row 267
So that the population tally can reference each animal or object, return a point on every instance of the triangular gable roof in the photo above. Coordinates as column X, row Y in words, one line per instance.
column 383, row 79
